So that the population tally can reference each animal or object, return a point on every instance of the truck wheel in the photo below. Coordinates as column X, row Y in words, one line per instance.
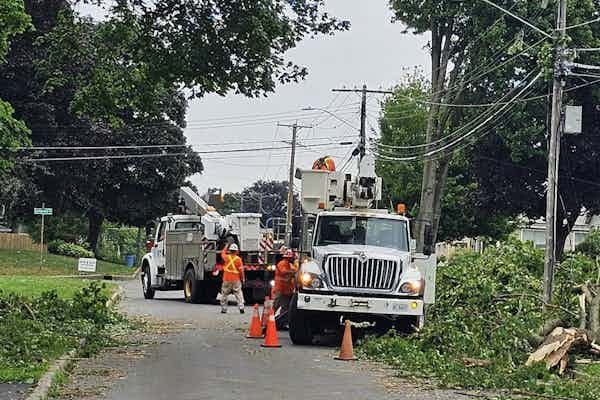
column 147, row 284
column 300, row 327
column 191, row 287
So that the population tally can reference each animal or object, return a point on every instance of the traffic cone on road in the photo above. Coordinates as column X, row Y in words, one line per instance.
column 271, row 338
column 346, row 351
column 255, row 331
column 265, row 314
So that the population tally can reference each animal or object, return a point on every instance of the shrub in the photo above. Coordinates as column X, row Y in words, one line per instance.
column 73, row 250
column 54, row 244
column 488, row 307
column 33, row 331
column 591, row 245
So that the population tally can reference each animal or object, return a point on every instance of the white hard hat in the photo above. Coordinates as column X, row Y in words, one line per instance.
column 233, row 247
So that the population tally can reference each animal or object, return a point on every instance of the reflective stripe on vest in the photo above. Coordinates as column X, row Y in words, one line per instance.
column 230, row 267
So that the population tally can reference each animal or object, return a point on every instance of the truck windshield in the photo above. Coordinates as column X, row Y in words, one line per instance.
column 382, row 232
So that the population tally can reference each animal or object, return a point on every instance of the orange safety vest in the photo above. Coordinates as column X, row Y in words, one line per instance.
column 234, row 267
column 284, row 277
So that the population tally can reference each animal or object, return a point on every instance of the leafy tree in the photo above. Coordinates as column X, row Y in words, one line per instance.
column 403, row 122
column 126, row 190
column 231, row 204
column 477, row 48
column 268, row 198
column 207, row 47
column 510, row 160
column 13, row 132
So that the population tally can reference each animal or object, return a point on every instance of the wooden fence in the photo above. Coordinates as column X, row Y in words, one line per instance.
column 18, row 241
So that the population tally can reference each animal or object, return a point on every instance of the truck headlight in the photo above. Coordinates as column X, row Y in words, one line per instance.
column 310, row 280
column 310, row 275
column 412, row 287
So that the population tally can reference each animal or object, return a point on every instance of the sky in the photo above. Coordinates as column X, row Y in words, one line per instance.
column 374, row 52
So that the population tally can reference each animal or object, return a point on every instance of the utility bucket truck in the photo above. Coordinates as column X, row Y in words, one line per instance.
column 359, row 261
column 185, row 252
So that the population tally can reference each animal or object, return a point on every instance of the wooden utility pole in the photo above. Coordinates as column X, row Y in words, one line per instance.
column 290, row 199
column 363, row 114
column 554, row 153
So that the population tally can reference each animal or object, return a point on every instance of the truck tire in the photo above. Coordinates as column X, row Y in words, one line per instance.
column 147, row 283
column 301, row 332
column 191, row 287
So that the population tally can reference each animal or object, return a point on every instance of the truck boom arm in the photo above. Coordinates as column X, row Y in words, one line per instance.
column 194, row 203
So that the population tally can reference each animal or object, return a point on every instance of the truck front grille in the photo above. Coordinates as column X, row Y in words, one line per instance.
column 361, row 273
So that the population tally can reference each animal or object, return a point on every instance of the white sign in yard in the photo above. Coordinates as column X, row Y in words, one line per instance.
column 87, row 265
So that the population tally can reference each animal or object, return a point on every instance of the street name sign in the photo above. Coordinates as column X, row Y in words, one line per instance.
column 42, row 211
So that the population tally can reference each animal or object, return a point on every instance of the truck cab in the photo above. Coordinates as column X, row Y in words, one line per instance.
column 359, row 262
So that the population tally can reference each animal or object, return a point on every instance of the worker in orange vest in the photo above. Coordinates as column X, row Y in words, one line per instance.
column 285, row 273
column 233, row 277
column 324, row 164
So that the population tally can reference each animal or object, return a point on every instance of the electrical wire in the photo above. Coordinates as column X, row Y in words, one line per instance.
column 524, row 21
column 583, row 24
column 458, row 131
column 471, row 132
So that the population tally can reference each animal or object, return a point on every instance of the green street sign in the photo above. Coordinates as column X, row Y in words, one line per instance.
column 42, row 211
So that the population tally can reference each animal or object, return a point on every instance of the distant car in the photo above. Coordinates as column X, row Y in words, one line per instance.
column 4, row 229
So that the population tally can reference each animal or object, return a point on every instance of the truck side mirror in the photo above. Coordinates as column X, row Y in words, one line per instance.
column 428, row 240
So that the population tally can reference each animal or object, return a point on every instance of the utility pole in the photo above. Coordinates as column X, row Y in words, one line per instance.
column 363, row 114
column 554, row 153
column 290, row 200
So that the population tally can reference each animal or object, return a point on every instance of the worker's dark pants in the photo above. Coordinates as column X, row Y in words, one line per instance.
column 282, row 302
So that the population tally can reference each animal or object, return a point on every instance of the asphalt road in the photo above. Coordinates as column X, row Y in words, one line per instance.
column 212, row 359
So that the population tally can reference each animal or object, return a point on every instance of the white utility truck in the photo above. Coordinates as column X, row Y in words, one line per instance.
column 185, row 252
column 359, row 261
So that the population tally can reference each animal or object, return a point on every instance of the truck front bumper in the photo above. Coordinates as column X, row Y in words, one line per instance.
column 363, row 305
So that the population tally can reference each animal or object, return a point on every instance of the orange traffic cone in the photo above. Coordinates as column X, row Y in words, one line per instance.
column 346, row 351
column 255, row 331
column 265, row 314
column 271, row 338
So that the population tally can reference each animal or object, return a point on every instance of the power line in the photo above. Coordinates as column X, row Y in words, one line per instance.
column 583, row 24
column 466, row 126
column 158, row 146
column 524, row 21
column 471, row 132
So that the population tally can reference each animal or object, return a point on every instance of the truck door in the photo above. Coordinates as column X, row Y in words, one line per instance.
column 158, row 251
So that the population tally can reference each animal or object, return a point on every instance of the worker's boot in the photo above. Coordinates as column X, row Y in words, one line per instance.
column 242, row 310
column 223, row 310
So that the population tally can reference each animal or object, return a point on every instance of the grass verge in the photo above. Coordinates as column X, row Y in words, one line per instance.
column 20, row 262
column 29, row 286
column 36, row 328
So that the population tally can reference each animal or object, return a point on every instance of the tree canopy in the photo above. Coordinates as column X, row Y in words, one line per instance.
column 13, row 132
column 479, row 54
column 402, row 123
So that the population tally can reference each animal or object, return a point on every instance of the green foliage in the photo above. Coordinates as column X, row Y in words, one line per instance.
column 488, row 306
column 35, row 330
column 403, row 122
column 13, row 132
column 69, row 249
column 13, row 20
column 591, row 245
column 116, row 242
column 66, row 227
column 231, row 204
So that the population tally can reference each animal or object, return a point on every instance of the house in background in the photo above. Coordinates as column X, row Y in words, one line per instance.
column 536, row 231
